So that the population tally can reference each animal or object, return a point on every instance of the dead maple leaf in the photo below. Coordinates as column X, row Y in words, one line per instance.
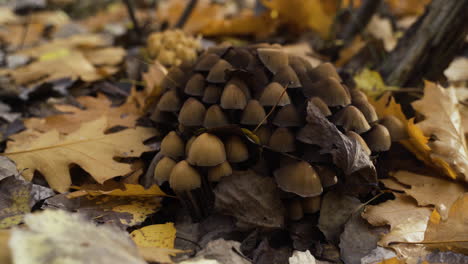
column 450, row 234
column 443, row 124
column 417, row 142
column 51, row 154
column 427, row 190
column 95, row 107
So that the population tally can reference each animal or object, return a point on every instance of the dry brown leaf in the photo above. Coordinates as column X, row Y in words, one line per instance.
column 450, row 234
column 407, row 221
column 443, row 124
column 427, row 190
column 95, row 107
column 417, row 142
column 51, row 154
column 135, row 190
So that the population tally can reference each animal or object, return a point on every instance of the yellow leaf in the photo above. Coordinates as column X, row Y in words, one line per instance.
column 394, row 260
column 372, row 83
column 91, row 149
column 129, row 190
column 162, row 236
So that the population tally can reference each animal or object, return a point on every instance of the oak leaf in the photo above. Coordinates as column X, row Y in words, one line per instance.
column 91, row 149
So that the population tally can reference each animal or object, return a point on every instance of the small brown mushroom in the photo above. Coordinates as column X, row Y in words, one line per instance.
column 174, row 78
column 253, row 113
column 282, row 140
column 272, row 58
column 330, row 91
column 264, row 134
column 192, row 113
column 288, row 116
column 189, row 144
column 241, row 84
column 163, row 170
column 378, row 138
column 367, row 110
column 311, row 205
column 206, row 150
column 357, row 95
column 206, row 62
column 299, row 178
column 287, row 77
column 195, row 85
column 360, row 140
column 274, row 94
column 321, row 105
column 215, row 117
column 169, row 102
column 295, row 211
column 327, row 176
column 395, row 127
column 217, row 74
column 236, row 150
column 172, row 145
column 324, row 70
column 212, row 94
column 351, row 119
column 233, row 98
column 217, row 172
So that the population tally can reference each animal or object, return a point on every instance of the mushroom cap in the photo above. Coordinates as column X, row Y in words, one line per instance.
column 195, row 85
column 217, row 172
column 273, row 58
column 367, row 110
column 217, row 73
column 212, row 94
column 215, row 117
column 174, row 78
column 220, row 49
column 321, row 105
column 360, row 140
column 184, row 177
column 357, row 95
column 351, row 119
column 172, row 145
column 327, row 176
column 330, row 91
column 264, row 134
column 163, row 169
column 324, row 70
column 206, row 62
column 189, row 144
column 295, row 211
column 378, row 138
column 242, row 85
column 253, row 113
column 233, row 98
column 311, row 205
column 169, row 102
column 236, row 150
column 239, row 58
column 288, row 116
column 206, row 150
column 287, row 77
column 395, row 127
column 282, row 140
column 192, row 113
column 162, row 116
column 274, row 94
column 299, row 178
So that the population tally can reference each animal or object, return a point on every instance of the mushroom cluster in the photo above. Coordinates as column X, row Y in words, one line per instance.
column 265, row 91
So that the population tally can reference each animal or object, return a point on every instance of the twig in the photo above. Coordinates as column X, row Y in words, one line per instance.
column 186, row 14
column 131, row 13
column 360, row 20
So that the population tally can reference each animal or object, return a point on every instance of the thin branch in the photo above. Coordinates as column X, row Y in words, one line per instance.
column 131, row 13
column 186, row 14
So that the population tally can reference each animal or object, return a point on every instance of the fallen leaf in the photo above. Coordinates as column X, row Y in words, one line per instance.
column 417, row 142
column 381, row 28
column 254, row 200
column 135, row 190
column 443, row 125
column 456, row 71
column 372, row 83
column 406, row 219
column 7, row 168
column 15, row 196
column 95, row 107
column 223, row 251
column 158, row 236
column 378, row 254
column 55, row 236
column 88, row 147
column 300, row 257
column 335, row 210
column 427, row 190
column 407, row 7
column 450, row 234
column 5, row 254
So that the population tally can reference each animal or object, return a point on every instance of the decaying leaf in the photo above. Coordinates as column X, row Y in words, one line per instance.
column 55, row 236
column 407, row 221
column 450, row 234
column 88, row 147
column 417, row 142
column 94, row 108
column 7, row 168
column 372, row 83
column 443, row 125
column 347, row 154
column 254, row 200
column 223, row 251
column 427, row 190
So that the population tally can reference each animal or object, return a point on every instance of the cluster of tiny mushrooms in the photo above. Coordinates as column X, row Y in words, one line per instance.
column 240, row 108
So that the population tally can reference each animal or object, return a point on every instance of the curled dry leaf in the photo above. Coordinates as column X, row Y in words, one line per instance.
column 427, row 190
column 443, row 125
column 51, row 154
column 252, row 199
column 55, row 236
column 450, row 234
column 347, row 153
